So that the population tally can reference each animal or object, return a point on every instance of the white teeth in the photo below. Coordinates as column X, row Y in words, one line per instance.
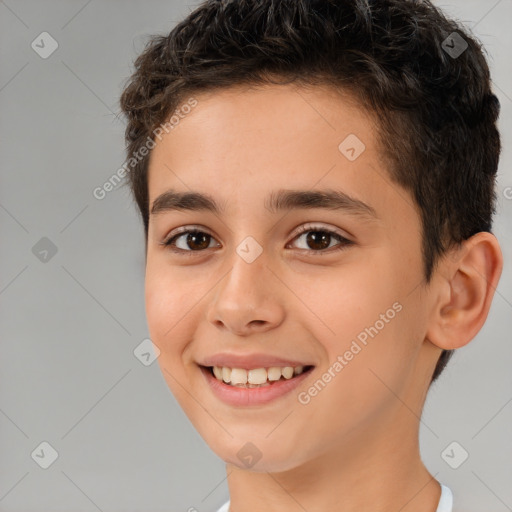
column 287, row 372
column 238, row 376
column 274, row 373
column 256, row 377
column 226, row 374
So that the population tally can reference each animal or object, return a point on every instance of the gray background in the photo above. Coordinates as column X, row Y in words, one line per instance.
column 70, row 324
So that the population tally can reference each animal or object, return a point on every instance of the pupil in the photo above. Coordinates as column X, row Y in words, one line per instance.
column 194, row 237
column 318, row 237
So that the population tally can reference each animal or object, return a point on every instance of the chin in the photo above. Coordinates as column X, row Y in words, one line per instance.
column 259, row 455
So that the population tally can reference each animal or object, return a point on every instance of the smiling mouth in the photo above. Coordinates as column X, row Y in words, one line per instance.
column 257, row 377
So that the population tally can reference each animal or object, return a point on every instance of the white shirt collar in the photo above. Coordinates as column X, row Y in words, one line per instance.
column 445, row 502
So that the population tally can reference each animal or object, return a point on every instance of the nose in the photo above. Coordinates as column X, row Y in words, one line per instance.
column 247, row 299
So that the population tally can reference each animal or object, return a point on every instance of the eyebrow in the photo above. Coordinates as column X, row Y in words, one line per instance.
column 278, row 201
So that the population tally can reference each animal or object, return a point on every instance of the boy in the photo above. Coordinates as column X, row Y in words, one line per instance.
column 317, row 189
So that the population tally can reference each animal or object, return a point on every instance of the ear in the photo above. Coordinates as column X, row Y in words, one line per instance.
column 464, row 290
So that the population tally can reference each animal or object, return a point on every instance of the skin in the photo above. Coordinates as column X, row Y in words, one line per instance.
column 354, row 446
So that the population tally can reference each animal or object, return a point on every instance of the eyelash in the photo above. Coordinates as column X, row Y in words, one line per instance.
column 344, row 243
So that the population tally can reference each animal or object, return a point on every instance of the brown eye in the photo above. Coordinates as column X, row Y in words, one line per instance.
column 317, row 239
column 192, row 241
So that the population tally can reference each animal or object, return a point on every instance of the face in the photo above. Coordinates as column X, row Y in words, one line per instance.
column 331, row 287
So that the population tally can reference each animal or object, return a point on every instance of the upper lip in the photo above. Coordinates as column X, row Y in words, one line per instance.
column 249, row 361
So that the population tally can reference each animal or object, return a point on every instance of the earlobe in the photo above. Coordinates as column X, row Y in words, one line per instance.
column 466, row 290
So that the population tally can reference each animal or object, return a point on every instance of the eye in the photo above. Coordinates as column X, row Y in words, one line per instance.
column 318, row 239
column 194, row 239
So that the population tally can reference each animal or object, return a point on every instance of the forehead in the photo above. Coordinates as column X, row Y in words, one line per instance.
column 237, row 144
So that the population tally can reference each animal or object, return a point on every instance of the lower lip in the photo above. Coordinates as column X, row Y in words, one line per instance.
column 238, row 396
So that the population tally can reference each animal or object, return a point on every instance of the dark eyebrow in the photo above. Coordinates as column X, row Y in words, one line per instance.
column 192, row 201
column 281, row 200
column 284, row 200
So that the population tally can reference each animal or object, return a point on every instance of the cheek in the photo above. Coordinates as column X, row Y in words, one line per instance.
column 160, row 309
column 368, row 329
column 167, row 323
column 344, row 302
column 165, row 295
column 166, row 308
